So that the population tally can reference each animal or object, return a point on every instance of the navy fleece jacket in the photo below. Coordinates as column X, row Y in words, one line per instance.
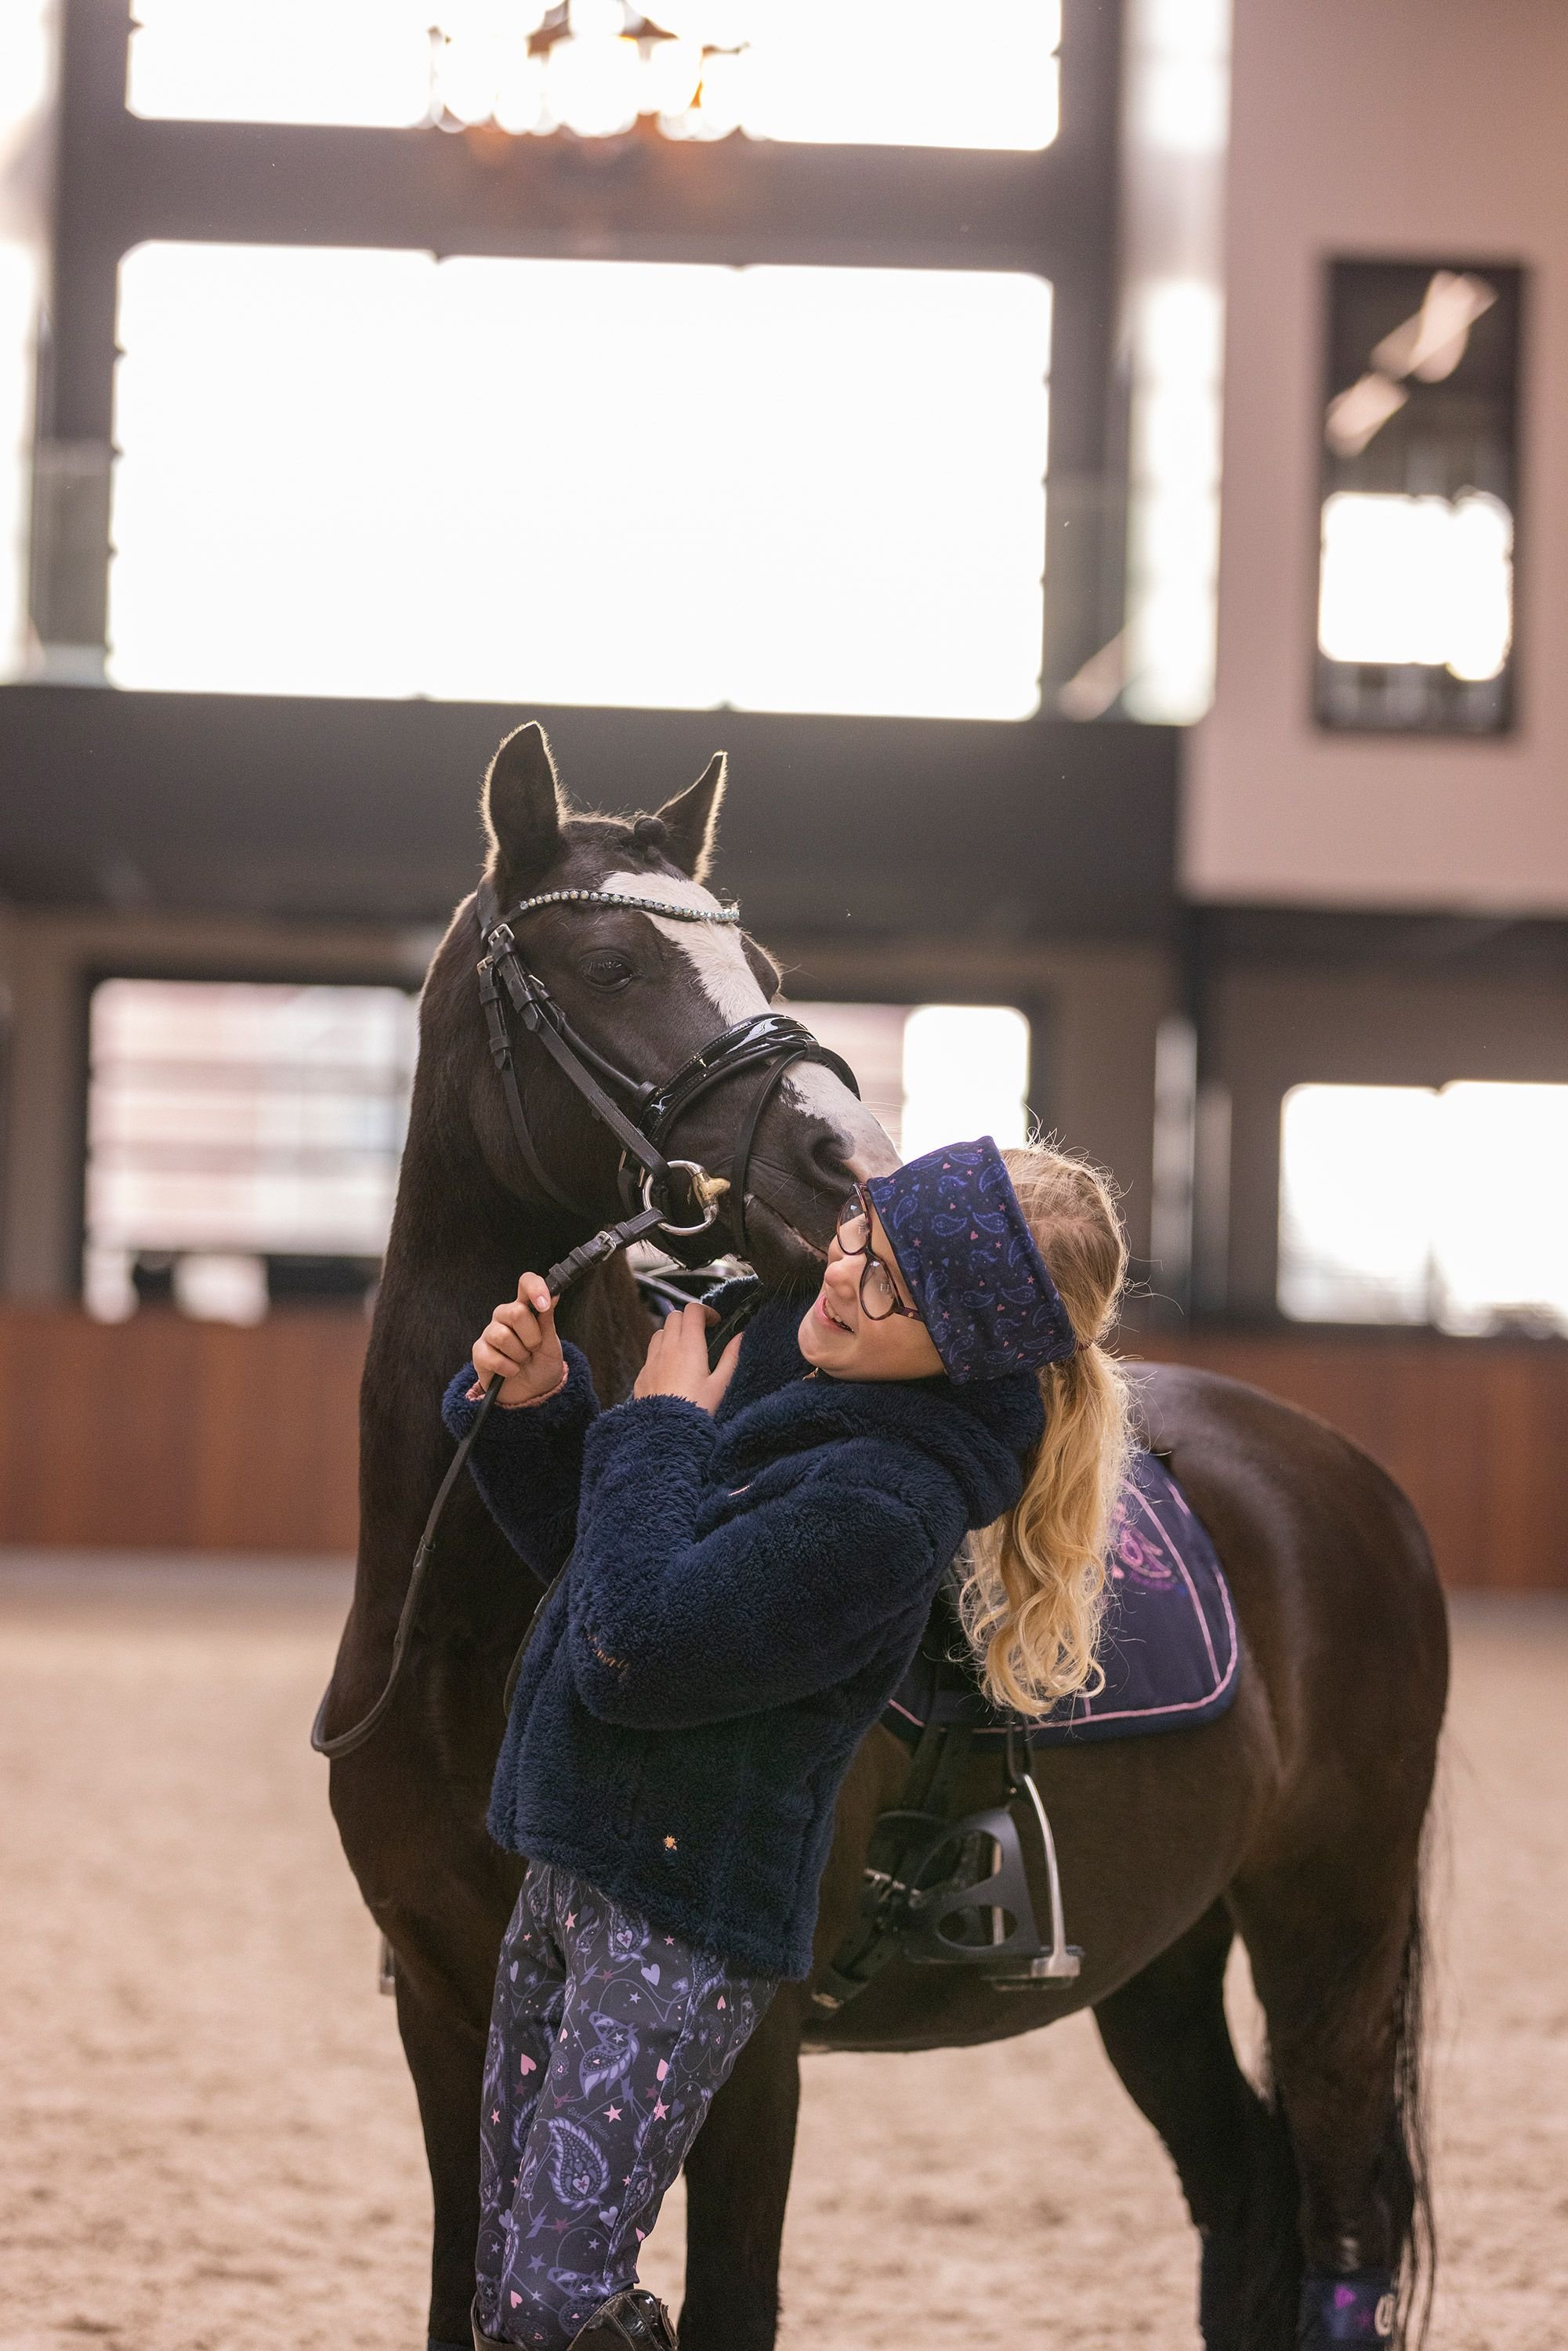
column 744, row 1596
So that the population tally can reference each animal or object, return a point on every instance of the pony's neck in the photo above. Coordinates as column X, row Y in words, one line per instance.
column 459, row 1243
column 457, row 1232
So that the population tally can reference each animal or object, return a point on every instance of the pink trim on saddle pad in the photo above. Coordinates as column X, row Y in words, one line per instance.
column 1170, row 1650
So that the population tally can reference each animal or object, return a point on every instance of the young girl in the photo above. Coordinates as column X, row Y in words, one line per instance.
column 756, row 1551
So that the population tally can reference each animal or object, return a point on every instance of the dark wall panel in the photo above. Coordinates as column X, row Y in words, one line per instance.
column 1043, row 829
column 194, row 1436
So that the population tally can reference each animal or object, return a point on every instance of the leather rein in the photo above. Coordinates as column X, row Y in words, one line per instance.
column 648, row 1181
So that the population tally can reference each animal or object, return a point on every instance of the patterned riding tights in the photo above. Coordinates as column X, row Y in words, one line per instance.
column 608, row 2041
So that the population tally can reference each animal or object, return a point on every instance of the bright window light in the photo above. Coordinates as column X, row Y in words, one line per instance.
column 231, row 1123
column 21, row 284
column 648, row 485
column 861, row 72
column 270, row 528
column 1178, row 88
column 26, row 56
column 1423, row 580
column 1382, row 1214
column 360, row 63
column 1355, row 1203
column 965, row 1072
column 1173, row 538
column 932, row 1073
column 917, row 74
column 1501, row 1267
column 1176, row 81
column 870, row 1039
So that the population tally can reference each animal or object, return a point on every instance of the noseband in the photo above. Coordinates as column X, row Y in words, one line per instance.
column 681, row 1189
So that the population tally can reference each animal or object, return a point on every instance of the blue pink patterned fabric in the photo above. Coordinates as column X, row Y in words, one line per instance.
column 609, row 2040
column 964, row 1247
column 1168, row 1646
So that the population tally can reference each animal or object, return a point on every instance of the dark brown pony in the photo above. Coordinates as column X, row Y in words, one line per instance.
column 1295, row 1821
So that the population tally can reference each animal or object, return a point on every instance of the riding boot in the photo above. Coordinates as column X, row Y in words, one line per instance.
column 635, row 2320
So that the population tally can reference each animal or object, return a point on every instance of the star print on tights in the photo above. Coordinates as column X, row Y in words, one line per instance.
column 608, row 2043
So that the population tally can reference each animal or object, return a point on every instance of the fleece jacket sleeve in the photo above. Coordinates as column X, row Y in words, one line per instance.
column 527, row 1464
column 669, row 1628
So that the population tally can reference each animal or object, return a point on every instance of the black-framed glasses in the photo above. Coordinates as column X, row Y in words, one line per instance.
column 878, row 1291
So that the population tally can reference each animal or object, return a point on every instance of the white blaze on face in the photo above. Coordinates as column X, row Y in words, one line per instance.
column 713, row 949
column 717, row 959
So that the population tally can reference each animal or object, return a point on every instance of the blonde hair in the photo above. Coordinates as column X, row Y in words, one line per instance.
column 1034, row 1592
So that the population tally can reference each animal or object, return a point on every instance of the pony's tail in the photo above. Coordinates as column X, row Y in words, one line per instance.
column 1408, row 2155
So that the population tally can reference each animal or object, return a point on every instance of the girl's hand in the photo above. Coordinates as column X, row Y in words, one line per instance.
column 677, row 1360
column 518, row 1344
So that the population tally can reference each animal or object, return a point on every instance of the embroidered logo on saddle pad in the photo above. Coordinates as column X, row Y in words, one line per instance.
column 1168, row 1649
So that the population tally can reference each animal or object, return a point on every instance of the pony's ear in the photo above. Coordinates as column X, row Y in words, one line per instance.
column 522, row 806
column 691, row 819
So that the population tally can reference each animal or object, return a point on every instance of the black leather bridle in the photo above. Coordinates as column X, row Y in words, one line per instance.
column 772, row 1041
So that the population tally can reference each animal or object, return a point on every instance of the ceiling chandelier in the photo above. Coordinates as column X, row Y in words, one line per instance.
column 595, row 68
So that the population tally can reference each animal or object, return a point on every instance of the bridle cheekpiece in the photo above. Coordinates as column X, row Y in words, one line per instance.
column 774, row 1041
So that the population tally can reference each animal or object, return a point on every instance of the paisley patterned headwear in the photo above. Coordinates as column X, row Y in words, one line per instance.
column 964, row 1247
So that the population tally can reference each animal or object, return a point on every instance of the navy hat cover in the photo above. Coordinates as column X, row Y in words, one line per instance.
column 974, row 1270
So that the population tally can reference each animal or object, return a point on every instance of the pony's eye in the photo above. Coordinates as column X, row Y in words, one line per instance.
column 608, row 970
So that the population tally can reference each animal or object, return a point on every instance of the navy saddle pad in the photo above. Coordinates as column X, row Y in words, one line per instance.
column 1168, row 1649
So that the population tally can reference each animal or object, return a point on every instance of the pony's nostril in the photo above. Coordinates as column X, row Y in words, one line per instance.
column 826, row 1159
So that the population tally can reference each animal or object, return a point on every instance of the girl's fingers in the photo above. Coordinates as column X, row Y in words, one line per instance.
column 520, row 1319
column 723, row 1370
column 532, row 1291
column 507, row 1340
column 694, row 1329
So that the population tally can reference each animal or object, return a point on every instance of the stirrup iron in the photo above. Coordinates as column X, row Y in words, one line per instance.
column 1011, row 1958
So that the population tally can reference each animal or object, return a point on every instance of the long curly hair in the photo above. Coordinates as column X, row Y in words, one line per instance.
column 1034, row 1592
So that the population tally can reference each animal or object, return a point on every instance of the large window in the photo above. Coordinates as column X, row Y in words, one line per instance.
column 26, row 76
column 855, row 71
column 1415, row 1204
column 243, row 1140
column 349, row 472
column 1415, row 618
column 933, row 1072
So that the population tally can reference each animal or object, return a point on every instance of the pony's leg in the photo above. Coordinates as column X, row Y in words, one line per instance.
column 441, row 1894
column 445, row 2055
column 738, row 2184
column 1336, row 1959
column 1166, row 2035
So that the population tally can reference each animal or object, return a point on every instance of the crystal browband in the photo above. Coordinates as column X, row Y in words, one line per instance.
column 620, row 898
